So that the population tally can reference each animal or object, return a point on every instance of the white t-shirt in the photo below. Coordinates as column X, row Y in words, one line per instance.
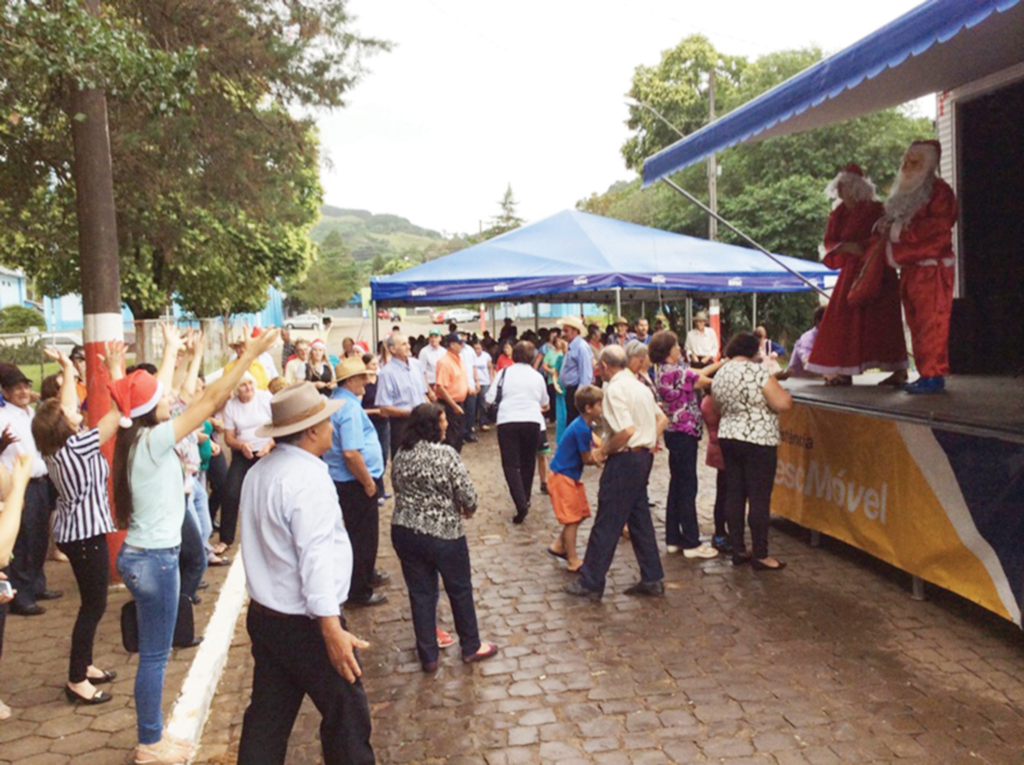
column 523, row 393
column 428, row 359
column 295, row 371
column 245, row 418
column 483, row 367
column 468, row 361
column 702, row 343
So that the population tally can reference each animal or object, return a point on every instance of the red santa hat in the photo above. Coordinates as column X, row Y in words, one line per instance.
column 256, row 331
column 135, row 395
column 854, row 168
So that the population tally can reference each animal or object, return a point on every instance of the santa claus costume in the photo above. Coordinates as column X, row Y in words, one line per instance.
column 852, row 339
column 921, row 212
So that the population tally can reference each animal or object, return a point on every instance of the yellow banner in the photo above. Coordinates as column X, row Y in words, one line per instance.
column 855, row 479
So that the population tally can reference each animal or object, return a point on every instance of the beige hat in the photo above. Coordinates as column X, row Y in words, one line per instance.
column 296, row 408
column 350, row 367
column 622, row 320
column 700, row 316
column 575, row 322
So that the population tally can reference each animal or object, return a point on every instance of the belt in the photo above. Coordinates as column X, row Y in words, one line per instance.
column 259, row 608
column 631, row 450
column 40, row 479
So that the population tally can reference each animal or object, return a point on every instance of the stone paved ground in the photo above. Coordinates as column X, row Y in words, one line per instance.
column 829, row 661
column 44, row 728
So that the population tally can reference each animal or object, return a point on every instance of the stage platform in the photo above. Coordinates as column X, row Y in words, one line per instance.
column 992, row 407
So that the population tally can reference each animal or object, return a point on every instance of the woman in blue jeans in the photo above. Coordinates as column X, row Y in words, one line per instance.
column 150, row 504
column 433, row 493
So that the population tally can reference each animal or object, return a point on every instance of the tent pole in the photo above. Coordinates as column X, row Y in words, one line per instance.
column 618, row 303
column 536, row 316
column 375, row 332
column 689, row 314
column 756, row 246
column 753, row 324
column 494, row 323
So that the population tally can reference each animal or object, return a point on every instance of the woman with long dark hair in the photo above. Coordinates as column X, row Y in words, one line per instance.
column 150, row 503
column 79, row 473
column 433, row 493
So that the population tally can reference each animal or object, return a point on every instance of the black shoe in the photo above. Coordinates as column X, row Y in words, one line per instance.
column 518, row 518
column 202, row 585
column 576, row 588
column 738, row 559
column 471, row 439
column 760, row 566
column 108, row 677
column 379, row 578
column 50, row 595
column 543, row 487
column 377, row 599
column 430, row 666
column 648, row 589
column 195, row 641
column 34, row 610
column 196, row 600
column 100, row 697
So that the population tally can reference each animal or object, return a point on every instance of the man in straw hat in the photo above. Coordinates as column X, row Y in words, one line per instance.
column 355, row 461
column 622, row 335
column 298, row 562
column 578, row 364
column 701, row 342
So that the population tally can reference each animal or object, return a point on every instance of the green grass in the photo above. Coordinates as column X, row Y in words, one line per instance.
column 36, row 374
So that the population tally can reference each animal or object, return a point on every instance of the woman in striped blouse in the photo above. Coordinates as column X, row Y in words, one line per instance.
column 79, row 472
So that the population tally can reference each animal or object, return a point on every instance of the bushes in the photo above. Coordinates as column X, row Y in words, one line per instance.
column 19, row 318
column 24, row 353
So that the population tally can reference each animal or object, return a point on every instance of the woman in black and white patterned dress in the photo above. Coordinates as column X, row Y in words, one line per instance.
column 433, row 493
column 749, row 400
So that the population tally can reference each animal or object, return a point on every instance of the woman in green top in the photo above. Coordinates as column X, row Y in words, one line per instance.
column 150, row 503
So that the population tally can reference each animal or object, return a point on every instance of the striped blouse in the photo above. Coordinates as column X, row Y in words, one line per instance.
column 79, row 472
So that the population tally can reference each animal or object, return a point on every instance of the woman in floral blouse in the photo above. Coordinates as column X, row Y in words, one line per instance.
column 677, row 387
column 433, row 493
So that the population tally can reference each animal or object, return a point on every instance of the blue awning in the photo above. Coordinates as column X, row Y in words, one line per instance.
column 587, row 258
column 935, row 47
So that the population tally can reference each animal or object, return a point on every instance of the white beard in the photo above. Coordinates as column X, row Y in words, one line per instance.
column 907, row 198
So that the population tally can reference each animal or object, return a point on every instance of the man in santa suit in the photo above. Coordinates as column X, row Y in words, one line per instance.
column 919, row 217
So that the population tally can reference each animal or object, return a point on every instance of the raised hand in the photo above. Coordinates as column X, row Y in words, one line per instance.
column 58, row 356
column 172, row 340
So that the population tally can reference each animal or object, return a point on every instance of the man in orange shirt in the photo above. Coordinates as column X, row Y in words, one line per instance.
column 452, row 387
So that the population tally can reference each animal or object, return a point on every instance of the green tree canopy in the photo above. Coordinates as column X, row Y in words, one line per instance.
column 332, row 279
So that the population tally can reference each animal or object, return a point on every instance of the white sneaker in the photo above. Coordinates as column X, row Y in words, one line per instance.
column 671, row 549
column 704, row 551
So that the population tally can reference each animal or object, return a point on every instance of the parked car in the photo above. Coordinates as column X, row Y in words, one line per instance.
column 461, row 315
column 304, row 321
column 437, row 317
column 388, row 313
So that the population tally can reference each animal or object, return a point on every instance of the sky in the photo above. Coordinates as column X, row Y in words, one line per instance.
column 477, row 95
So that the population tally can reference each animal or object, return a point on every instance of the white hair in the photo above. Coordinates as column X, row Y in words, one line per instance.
column 910, row 193
column 859, row 188
column 246, row 378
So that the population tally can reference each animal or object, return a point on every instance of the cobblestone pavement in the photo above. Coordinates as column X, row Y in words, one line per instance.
column 829, row 661
column 44, row 728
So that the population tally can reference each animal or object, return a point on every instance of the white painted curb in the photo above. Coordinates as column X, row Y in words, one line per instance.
column 193, row 704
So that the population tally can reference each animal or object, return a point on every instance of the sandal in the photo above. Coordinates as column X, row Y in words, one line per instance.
column 217, row 560
column 444, row 638
column 106, row 677
column 486, row 651
column 166, row 751
column 562, row 555
column 5, row 711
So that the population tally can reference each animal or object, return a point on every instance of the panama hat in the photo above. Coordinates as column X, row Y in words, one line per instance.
column 350, row 367
column 575, row 322
column 700, row 316
column 296, row 408
column 622, row 320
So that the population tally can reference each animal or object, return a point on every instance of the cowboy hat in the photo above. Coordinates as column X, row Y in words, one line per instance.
column 350, row 367
column 296, row 408
column 700, row 316
column 575, row 322
column 622, row 320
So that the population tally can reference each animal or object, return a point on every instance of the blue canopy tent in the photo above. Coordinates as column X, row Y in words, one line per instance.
column 590, row 258
column 935, row 47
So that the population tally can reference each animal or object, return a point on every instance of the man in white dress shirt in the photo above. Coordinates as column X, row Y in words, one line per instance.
column 298, row 562
column 26, row 573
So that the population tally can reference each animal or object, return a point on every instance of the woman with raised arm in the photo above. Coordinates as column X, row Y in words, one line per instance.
column 79, row 473
column 12, row 488
column 150, row 504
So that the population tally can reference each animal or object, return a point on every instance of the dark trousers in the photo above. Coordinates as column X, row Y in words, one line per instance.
column 216, row 476
column 398, row 427
column 622, row 500
column 192, row 559
column 518, row 444
column 3, row 615
column 681, row 527
column 570, row 403
column 423, row 557
column 26, row 570
column 453, row 437
column 90, row 563
column 383, row 427
column 240, row 466
column 749, row 475
column 469, row 418
column 720, row 489
column 362, row 522
column 291, row 660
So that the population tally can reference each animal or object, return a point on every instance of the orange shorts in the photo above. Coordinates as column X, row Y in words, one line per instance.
column 568, row 498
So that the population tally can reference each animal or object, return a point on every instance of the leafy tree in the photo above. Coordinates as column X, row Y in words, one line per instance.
column 332, row 279
column 214, row 178
column 507, row 219
column 19, row 318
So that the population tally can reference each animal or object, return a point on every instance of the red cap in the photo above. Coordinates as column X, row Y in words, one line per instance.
column 256, row 331
column 854, row 168
column 135, row 395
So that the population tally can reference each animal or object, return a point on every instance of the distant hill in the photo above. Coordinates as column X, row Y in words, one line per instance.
column 368, row 235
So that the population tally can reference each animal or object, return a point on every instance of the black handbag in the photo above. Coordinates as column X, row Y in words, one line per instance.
column 184, row 628
column 491, row 410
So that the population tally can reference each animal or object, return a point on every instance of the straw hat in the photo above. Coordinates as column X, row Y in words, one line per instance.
column 622, row 320
column 575, row 322
column 700, row 316
column 350, row 367
column 296, row 408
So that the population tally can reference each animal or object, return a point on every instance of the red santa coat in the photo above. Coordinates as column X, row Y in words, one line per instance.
column 853, row 339
column 923, row 249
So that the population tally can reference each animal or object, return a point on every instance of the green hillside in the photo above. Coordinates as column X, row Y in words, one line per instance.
column 367, row 235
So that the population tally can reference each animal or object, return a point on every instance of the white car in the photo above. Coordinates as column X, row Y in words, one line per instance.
column 461, row 315
column 304, row 321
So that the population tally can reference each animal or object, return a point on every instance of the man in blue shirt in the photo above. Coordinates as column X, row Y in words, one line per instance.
column 578, row 364
column 401, row 387
column 355, row 462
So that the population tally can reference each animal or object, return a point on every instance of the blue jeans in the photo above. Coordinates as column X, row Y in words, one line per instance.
column 469, row 405
column 199, row 500
column 681, row 526
column 152, row 578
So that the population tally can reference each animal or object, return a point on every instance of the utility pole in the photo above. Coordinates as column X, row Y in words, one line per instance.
column 712, row 164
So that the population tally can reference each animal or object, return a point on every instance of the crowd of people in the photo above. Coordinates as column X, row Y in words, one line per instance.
column 309, row 449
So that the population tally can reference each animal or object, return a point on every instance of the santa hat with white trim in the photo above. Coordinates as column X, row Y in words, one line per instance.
column 135, row 395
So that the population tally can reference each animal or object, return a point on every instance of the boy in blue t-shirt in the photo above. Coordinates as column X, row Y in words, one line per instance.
column 568, row 495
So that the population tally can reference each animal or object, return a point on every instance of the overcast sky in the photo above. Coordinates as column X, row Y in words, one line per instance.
column 478, row 94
